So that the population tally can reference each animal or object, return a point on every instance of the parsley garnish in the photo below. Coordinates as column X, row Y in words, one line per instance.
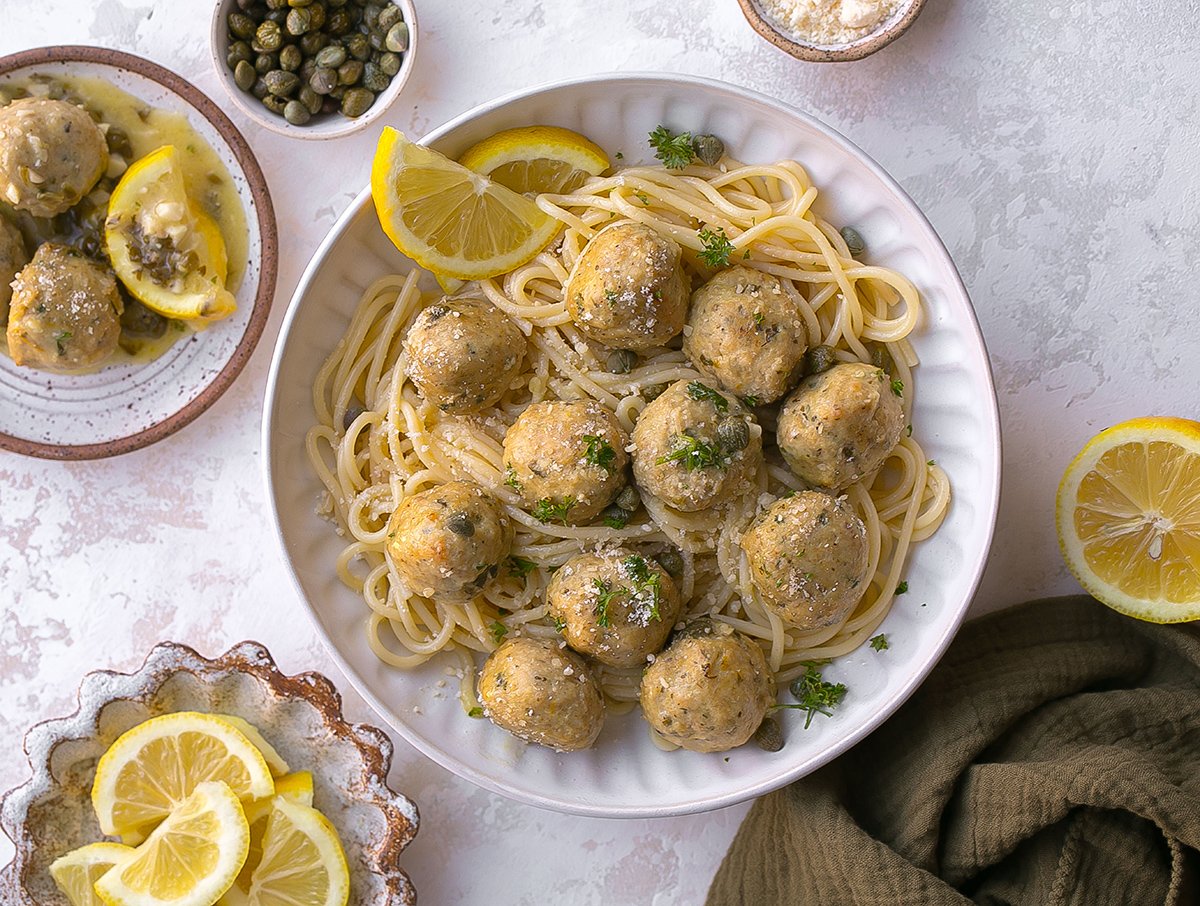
column 717, row 247
column 599, row 452
column 897, row 386
column 693, row 453
column 750, row 400
column 519, row 566
column 642, row 197
column 815, row 696
column 929, row 462
column 880, row 642
column 559, row 625
column 616, row 522
column 675, row 151
column 644, row 580
column 699, row 391
column 604, row 595
column 498, row 631
column 612, row 297
column 619, row 156
column 475, row 712
column 902, row 587
column 546, row 510
column 58, row 340
column 759, row 317
column 510, row 479
column 908, row 430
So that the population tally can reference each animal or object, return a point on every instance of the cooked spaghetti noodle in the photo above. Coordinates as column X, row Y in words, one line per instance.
column 378, row 440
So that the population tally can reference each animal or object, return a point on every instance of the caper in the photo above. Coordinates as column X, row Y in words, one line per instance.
column 259, row 89
column 307, row 68
column 733, row 433
column 265, row 62
column 615, row 517
column 278, row 16
column 299, row 21
column 358, row 46
column 336, row 4
column 768, row 735
column 296, row 113
column 241, row 25
column 350, row 72
column 352, row 414
column 390, row 16
column 295, row 3
column 290, row 58
column 376, row 40
column 621, row 361
column 314, row 42
column 323, row 80
column 357, row 101
column 246, row 5
column 338, row 22
column 317, row 21
column 390, row 63
column 140, row 321
column 332, row 56
column 338, row 92
column 672, row 562
column 854, row 241
column 281, row 83
column 310, row 99
column 374, row 78
column 329, row 105
column 118, row 142
column 629, row 498
column 881, row 357
column 238, row 51
column 276, row 4
column 818, row 359
column 371, row 14
column 269, row 37
column 244, row 75
column 708, row 148
column 461, row 524
column 653, row 392
column 397, row 38
column 274, row 103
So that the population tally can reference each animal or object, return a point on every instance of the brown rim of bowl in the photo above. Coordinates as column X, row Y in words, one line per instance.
column 845, row 53
column 268, row 265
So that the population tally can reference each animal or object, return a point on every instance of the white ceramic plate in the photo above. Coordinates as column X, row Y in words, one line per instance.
column 956, row 417
column 126, row 406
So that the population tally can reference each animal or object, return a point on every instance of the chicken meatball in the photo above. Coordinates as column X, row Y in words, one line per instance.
column 542, row 693
column 839, row 426
column 463, row 354
column 12, row 259
column 695, row 448
column 66, row 311
column 808, row 559
column 51, row 154
column 566, row 459
column 617, row 607
column 448, row 542
column 628, row 288
column 746, row 334
column 709, row 690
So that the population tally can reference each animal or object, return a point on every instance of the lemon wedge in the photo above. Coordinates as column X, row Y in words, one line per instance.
column 535, row 159
column 169, row 254
column 449, row 219
column 77, row 872
column 150, row 770
column 296, row 788
column 190, row 859
column 301, row 862
column 274, row 760
column 1128, row 516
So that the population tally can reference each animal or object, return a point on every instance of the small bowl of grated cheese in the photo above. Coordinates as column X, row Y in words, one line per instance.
column 831, row 31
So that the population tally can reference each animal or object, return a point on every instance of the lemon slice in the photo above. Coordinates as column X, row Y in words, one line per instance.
column 169, row 255
column 450, row 220
column 301, row 863
column 77, row 871
column 154, row 767
column 191, row 858
column 1129, row 518
column 296, row 788
column 274, row 760
column 535, row 159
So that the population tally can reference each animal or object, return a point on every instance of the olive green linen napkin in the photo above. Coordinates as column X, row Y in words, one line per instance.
column 1052, row 757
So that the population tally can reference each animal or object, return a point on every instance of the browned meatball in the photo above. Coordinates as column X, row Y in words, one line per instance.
column 463, row 354
column 839, row 426
column 695, row 448
column 447, row 542
column 808, row 559
column 51, row 154
column 566, row 459
column 616, row 607
column 66, row 311
column 542, row 693
column 12, row 258
column 628, row 288
column 710, row 690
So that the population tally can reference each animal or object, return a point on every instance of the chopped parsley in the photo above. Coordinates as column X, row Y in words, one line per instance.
column 759, row 317
column 815, row 696
column 930, row 462
column 510, row 479
column 61, row 336
column 675, row 151
column 717, row 247
column 693, row 453
column 547, row 510
column 908, row 430
column 519, row 566
column 646, row 583
column 475, row 712
column 604, row 595
column 880, row 642
column 642, row 197
column 897, row 386
column 612, row 297
column 559, row 624
column 745, row 254
column 599, row 452
column 902, row 587
column 616, row 522
column 619, row 156
column 699, row 391
column 498, row 631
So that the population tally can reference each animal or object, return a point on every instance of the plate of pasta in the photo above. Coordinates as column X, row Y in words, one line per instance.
column 682, row 503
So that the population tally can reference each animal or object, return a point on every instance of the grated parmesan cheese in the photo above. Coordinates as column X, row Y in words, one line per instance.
column 827, row 22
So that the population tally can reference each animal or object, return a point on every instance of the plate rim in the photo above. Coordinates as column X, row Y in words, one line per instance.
column 269, row 241
column 693, row 805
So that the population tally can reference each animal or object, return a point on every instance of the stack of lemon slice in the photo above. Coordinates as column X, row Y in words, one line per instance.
column 208, row 812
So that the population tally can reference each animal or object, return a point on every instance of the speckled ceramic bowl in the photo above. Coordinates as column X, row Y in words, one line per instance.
column 880, row 37
column 301, row 716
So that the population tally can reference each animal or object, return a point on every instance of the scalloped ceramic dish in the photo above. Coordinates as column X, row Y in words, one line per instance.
column 301, row 716
column 625, row 774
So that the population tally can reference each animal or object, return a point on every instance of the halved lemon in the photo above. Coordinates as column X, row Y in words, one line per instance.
column 274, row 760
column 150, row 770
column 449, row 219
column 168, row 253
column 534, row 159
column 296, row 788
column 77, row 872
column 1129, row 518
column 191, row 858
column 301, row 863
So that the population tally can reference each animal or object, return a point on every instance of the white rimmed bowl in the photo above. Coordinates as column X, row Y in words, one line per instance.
column 956, row 417
column 322, row 126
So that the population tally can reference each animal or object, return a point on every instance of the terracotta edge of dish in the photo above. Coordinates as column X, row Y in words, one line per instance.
column 166, row 660
column 264, row 212
column 845, row 53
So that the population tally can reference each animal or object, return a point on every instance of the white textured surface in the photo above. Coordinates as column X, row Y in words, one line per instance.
column 1053, row 144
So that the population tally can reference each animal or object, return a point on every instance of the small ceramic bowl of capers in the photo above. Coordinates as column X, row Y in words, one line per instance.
column 313, row 68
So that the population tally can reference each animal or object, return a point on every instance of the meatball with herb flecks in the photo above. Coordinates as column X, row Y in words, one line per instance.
column 51, row 154
column 463, row 354
column 12, row 258
column 542, row 693
column 709, row 691
column 809, row 559
column 628, row 289
column 839, row 426
column 447, row 542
